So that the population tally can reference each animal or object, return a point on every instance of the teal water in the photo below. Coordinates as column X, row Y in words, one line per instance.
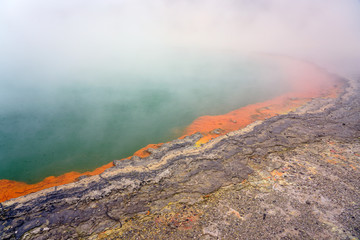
column 52, row 122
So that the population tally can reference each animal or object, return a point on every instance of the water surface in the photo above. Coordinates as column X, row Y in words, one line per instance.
column 79, row 119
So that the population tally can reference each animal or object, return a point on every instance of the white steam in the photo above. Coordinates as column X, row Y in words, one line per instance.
column 86, row 33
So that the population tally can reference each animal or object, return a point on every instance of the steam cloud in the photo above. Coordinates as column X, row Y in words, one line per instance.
column 85, row 33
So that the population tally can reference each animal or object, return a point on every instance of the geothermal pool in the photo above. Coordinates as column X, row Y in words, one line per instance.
column 77, row 119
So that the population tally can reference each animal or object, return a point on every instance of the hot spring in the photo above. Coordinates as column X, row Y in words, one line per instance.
column 80, row 119
column 85, row 82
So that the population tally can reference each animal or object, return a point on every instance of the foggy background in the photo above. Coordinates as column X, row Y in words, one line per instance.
column 89, row 33
column 81, row 78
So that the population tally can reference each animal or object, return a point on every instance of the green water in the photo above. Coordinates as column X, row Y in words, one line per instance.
column 80, row 119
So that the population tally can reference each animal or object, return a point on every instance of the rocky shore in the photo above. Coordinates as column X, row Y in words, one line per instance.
column 293, row 176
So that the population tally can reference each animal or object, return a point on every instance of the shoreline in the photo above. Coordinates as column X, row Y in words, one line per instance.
column 209, row 126
column 279, row 177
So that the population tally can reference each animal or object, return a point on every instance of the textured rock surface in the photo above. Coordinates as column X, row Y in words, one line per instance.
column 294, row 176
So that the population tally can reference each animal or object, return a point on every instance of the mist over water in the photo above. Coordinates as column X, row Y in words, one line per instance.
column 82, row 125
column 86, row 82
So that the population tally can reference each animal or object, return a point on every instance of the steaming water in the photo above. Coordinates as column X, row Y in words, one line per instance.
column 79, row 119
